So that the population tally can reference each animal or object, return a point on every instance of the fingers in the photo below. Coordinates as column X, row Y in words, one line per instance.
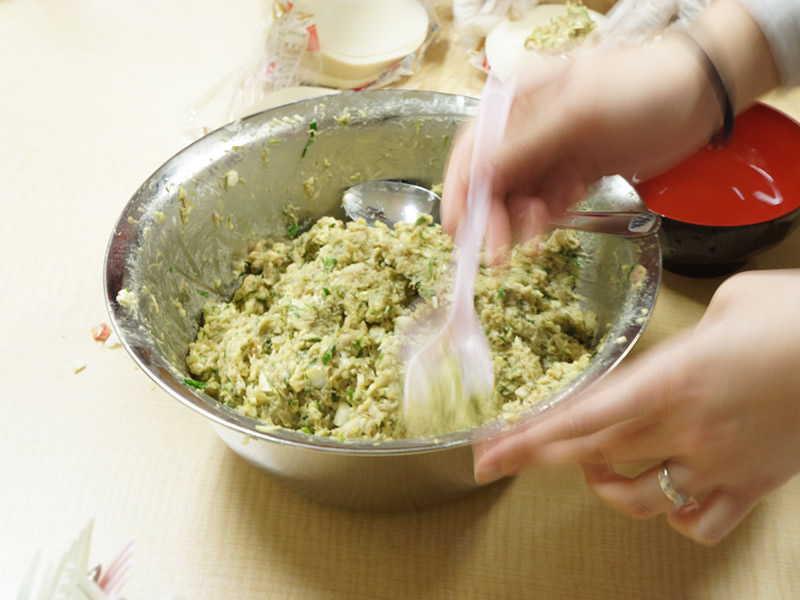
column 456, row 180
column 563, row 187
column 531, row 159
column 715, row 517
column 518, row 159
column 498, row 231
column 706, row 522
column 528, row 217
column 615, row 422
column 631, row 441
column 565, row 437
column 634, row 441
column 518, row 219
column 639, row 497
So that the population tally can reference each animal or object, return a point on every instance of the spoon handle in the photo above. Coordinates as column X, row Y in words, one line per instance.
column 630, row 224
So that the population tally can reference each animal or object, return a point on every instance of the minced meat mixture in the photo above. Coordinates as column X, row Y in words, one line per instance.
column 313, row 340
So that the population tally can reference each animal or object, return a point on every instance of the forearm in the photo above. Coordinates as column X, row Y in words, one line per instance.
column 620, row 110
column 779, row 20
column 735, row 43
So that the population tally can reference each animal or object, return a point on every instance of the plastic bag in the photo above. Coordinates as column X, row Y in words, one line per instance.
column 291, row 57
column 473, row 19
column 634, row 22
column 291, row 47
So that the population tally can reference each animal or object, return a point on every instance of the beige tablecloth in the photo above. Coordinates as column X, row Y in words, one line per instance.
column 93, row 98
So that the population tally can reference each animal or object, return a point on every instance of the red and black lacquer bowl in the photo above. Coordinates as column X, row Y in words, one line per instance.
column 724, row 205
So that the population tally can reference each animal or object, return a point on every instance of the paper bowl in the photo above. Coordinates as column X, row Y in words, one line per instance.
column 359, row 39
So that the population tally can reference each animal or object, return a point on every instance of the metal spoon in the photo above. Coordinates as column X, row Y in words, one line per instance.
column 394, row 201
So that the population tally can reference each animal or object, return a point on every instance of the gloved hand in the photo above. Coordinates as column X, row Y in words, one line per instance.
column 632, row 22
column 478, row 17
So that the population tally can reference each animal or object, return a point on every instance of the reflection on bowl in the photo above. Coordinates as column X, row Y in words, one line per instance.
column 723, row 206
column 178, row 238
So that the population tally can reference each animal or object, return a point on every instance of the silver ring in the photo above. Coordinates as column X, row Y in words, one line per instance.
column 670, row 490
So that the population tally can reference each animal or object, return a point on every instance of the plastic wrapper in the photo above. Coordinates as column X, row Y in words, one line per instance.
column 291, row 58
column 473, row 19
column 634, row 22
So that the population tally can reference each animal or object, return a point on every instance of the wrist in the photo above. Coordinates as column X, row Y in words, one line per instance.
column 722, row 91
column 693, row 90
column 738, row 49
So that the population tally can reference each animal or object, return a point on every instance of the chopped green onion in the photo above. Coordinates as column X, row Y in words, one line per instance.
column 328, row 264
column 200, row 385
column 326, row 358
column 312, row 135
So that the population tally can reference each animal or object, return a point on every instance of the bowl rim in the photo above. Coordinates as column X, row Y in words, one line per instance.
column 712, row 229
column 123, row 320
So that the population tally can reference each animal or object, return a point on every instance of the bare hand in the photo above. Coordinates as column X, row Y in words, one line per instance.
column 721, row 405
column 571, row 122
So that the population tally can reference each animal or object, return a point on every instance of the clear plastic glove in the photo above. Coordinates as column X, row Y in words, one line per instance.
column 720, row 404
column 632, row 22
column 478, row 17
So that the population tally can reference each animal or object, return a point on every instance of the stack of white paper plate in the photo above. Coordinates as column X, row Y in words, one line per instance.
column 359, row 39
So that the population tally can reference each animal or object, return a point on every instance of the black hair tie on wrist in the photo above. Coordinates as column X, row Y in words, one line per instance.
column 724, row 135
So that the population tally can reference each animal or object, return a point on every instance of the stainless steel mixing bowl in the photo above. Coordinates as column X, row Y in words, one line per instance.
column 179, row 237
